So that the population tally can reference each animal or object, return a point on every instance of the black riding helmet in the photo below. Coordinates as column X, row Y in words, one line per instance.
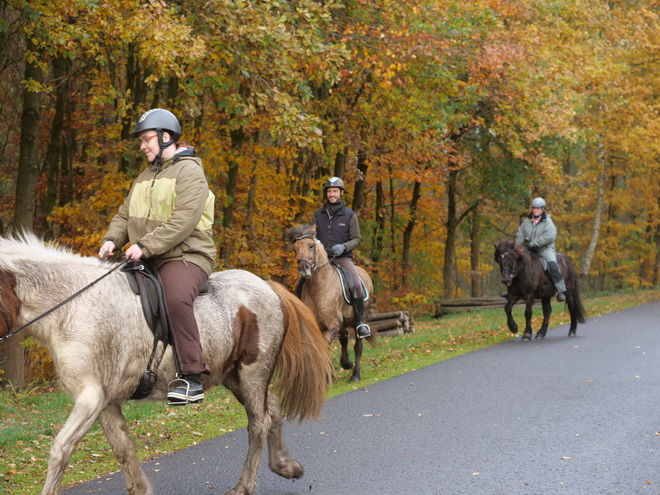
column 159, row 120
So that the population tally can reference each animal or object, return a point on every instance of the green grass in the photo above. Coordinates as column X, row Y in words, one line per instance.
column 30, row 419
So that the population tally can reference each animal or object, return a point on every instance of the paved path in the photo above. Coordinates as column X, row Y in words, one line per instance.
column 559, row 416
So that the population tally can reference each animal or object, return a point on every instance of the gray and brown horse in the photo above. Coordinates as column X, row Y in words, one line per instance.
column 322, row 293
column 523, row 274
column 252, row 331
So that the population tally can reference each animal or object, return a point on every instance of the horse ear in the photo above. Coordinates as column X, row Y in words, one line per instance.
column 10, row 305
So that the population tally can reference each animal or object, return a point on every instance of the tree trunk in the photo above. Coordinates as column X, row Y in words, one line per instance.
column 591, row 250
column 407, row 235
column 26, row 181
column 54, row 153
column 237, row 137
column 358, row 191
column 477, row 277
column 656, row 265
column 450, row 243
column 377, row 248
column 340, row 163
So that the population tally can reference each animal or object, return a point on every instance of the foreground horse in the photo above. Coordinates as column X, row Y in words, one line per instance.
column 322, row 293
column 523, row 273
column 100, row 345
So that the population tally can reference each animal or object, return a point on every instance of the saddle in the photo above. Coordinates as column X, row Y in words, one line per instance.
column 348, row 284
column 143, row 280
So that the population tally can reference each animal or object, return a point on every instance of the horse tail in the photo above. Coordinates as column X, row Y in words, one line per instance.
column 578, row 310
column 575, row 302
column 304, row 368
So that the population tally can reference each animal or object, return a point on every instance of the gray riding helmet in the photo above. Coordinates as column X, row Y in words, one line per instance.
column 538, row 203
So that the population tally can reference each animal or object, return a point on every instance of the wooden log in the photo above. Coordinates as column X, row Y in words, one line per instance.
column 385, row 316
column 395, row 332
column 385, row 324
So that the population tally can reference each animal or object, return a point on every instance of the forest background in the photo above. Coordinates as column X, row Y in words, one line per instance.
column 444, row 118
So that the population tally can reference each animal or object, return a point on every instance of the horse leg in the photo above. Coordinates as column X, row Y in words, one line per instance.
column 89, row 405
column 114, row 426
column 345, row 359
column 510, row 301
column 547, row 311
column 278, row 454
column 252, row 394
column 528, row 318
column 357, row 348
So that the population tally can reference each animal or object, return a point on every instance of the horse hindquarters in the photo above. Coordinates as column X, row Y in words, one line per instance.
column 303, row 369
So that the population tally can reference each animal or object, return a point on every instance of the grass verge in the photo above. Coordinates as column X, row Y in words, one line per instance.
column 30, row 419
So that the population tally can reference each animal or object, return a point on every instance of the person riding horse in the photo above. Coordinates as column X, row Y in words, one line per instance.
column 167, row 218
column 539, row 231
column 338, row 229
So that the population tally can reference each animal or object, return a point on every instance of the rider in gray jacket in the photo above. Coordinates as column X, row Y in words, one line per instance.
column 540, row 233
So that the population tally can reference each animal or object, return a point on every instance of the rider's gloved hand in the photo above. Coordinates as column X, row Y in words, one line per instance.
column 338, row 249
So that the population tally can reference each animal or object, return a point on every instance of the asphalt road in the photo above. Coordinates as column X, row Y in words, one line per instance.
column 559, row 416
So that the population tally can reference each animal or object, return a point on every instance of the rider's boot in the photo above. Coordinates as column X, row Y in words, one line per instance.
column 558, row 280
column 362, row 330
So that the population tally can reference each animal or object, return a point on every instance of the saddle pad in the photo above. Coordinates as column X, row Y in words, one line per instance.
column 347, row 284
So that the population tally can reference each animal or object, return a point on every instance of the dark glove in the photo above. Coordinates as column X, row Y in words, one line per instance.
column 338, row 249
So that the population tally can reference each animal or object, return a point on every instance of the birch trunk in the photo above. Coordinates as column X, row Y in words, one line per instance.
column 591, row 250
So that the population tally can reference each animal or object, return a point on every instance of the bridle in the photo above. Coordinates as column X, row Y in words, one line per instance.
column 513, row 271
column 312, row 264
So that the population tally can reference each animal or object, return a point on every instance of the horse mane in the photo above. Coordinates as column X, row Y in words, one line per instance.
column 18, row 252
column 509, row 246
column 293, row 233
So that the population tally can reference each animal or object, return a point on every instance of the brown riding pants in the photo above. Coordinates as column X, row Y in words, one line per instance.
column 181, row 285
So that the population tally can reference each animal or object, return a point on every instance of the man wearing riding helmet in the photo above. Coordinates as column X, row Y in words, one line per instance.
column 540, row 233
column 167, row 219
column 338, row 229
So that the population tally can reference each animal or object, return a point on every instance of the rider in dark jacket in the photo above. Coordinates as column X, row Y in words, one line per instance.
column 338, row 229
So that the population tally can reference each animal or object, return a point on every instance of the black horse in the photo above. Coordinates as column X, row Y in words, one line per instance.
column 525, row 277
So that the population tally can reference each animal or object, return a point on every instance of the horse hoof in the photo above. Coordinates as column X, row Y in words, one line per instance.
column 526, row 337
column 345, row 364
column 289, row 469
column 355, row 378
column 539, row 336
column 571, row 333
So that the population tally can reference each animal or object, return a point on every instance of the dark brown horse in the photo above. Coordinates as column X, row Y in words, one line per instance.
column 322, row 293
column 523, row 274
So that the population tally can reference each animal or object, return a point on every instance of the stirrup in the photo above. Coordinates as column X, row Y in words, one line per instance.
column 177, row 397
column 363, row 334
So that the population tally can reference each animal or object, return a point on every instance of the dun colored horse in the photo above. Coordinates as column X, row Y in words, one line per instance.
column 322, row 293
column 523, row 273
column 251, row 331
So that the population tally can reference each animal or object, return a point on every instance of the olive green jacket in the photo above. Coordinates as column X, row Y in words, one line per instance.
column 169, row 212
